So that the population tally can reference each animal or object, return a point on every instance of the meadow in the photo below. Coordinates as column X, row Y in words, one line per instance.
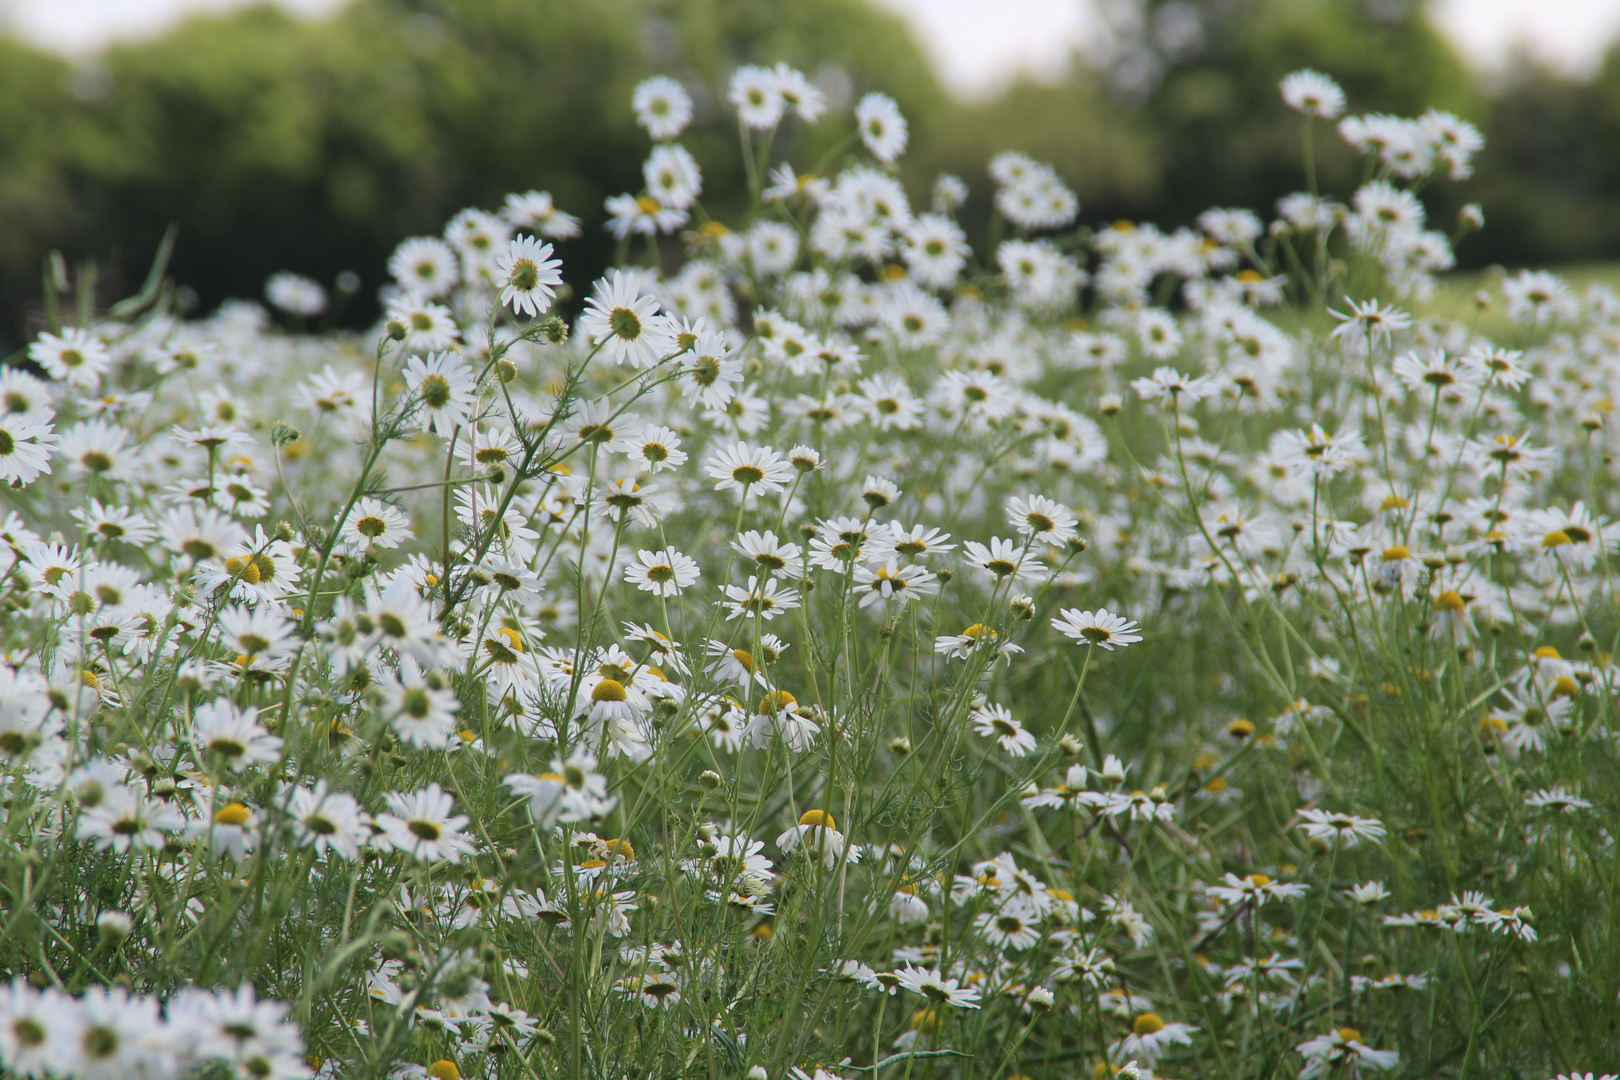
column 817, row 649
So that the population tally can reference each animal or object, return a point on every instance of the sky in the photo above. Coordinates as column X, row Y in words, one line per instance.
column 977, row 45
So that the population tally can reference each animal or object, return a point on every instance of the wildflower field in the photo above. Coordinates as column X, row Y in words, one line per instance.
column 818, row 649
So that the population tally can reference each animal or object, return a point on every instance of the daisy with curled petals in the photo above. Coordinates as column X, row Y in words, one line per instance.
column 663, row 573
column 743, row 468
column 997, row 722
column 529, row 274
column 1341, row 1050
column 423, row 824
column 625, row 323
column 937, row 988
column 1341, row 830
column 1004, row 560
column 446, row 389
column 1101, row 627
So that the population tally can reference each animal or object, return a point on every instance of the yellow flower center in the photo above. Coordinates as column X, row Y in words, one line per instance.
column 817, row 817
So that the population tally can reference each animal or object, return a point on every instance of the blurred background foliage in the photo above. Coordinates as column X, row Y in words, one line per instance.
column 276, row 143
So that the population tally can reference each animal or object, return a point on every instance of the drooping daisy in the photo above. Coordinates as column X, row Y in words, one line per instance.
column 816, row 832
column 1151, row 1036
column 997, row 722
column 1341, row 1049
column 1100, row 627
column 937, row 988
column 1343, row 830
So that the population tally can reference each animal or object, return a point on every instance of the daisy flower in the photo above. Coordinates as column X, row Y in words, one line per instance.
column 425, row 266
column 817, row 832
column 893, row 583
column 1151, row 1036
column 428, row 326
column 625, row 323
column 882, row 128
column 1045, row 519
column 1004, row 559
column 536, row 212
column 757, row 94
column 233, row 735
column 929, row 983
column 75, row 357
column 997, row 722
column 1312, row 93
column 25, row 448
column 1344, row 830
column 665, row 572
column 743, row 468
column 421, row 707
column 127, row 820
column 445, row 388
column 529, row 274
column 328, row 821
column 1341, row 1049
column 1557, row 800
column 1101, row 627
column 662, row 107
column 766, row 599
column 422, row 824
column 672, row 176
column 373, row 524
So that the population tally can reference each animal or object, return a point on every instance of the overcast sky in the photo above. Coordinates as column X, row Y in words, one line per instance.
column 977, row 44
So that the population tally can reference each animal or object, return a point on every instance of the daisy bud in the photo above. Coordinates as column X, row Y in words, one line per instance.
column 1023, row 606
column 1039, row 997
column 1471, row 217
column 506, row 371
column 1079, row 544
column 1069, row 745
column 1110, row 404
column 348, row 283
column 554, row 330
column 757, row 1072
column 709, row 779
column 901, row 746
column 283, row 433
column 396, row 330
column 1482, row 299
column 284, row 532
column 114, row 927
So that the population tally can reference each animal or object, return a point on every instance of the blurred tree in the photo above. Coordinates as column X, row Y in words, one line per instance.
column 282, row 144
